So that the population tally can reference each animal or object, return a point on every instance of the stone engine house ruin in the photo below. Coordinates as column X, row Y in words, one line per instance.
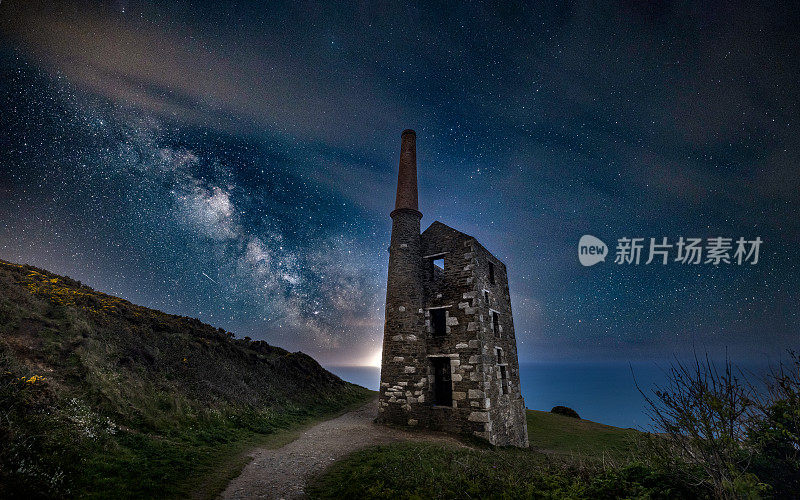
column 449, row 351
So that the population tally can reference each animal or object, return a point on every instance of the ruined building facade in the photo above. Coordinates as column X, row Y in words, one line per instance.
column 449, row 351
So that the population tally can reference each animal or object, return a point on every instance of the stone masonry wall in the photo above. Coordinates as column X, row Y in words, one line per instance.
column 404, row 366
column 455, row 289
column 508, row 424
column 479, row 406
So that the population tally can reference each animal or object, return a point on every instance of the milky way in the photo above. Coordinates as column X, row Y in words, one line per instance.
column 216, row 231
column 237, row 163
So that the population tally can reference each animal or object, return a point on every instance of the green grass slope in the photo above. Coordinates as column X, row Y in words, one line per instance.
column 568, row 458
column 577, row 437
column 103, row 398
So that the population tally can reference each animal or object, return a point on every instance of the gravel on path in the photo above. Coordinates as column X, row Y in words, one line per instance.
column 283, row 472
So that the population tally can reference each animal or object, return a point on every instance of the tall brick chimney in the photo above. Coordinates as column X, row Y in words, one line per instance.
column 403, row 353
column 407, row 176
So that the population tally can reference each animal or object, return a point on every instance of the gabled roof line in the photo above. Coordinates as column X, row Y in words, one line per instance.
column 434, row 223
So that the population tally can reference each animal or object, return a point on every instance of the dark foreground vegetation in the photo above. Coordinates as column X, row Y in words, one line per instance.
column 719, row 437
column 568, row 458
column 103, row 398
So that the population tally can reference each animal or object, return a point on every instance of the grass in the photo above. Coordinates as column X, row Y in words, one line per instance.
column 73, row 452
column 231, row 459
column 569, row 458
column 101, row 398
column 570, row 436
column 197, row 463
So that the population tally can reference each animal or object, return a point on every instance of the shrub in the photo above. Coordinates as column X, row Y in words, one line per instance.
column 774, row 432
column 703, row 413
column 566, row 411
column 33, row 461
column 718, row 433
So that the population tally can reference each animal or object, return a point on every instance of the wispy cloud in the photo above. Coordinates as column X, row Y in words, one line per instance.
column 189, row 72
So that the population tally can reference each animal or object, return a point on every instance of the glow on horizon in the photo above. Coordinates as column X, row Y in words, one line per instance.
column 375, row 359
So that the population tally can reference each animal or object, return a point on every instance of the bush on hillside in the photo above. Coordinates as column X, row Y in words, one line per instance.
column 566, row 411
column 774, row 432
column 719, row 433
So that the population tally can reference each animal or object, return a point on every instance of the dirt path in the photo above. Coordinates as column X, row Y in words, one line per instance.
column 283, row 472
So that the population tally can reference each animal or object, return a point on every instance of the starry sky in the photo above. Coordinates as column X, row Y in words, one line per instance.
column 236, row 162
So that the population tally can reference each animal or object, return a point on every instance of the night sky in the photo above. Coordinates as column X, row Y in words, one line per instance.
column 237, row 162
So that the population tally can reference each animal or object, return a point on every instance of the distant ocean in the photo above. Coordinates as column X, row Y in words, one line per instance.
column 604, row 392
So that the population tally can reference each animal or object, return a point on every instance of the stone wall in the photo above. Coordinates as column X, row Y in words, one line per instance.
column 403, row 369
column 455, row 289
column 479, row 406
column 507, row 413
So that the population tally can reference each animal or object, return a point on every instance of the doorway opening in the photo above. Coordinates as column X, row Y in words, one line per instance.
column 442, row 382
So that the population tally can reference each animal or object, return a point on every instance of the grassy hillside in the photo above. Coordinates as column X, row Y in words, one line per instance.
column 100, row 397
column 576, row 437
column 568, row 458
